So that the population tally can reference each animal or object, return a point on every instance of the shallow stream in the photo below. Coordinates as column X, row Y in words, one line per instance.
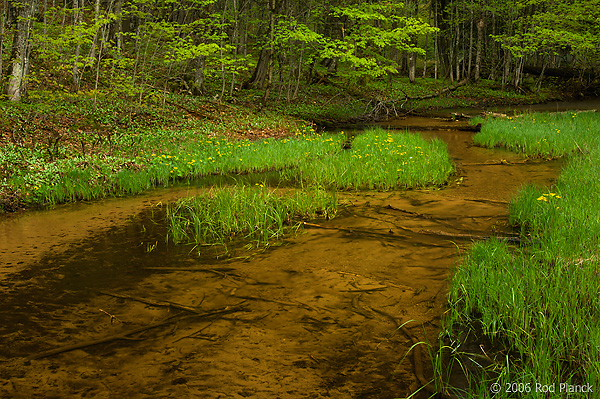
column 315, row 317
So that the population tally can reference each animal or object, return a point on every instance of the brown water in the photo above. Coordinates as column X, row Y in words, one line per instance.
column 315, row 317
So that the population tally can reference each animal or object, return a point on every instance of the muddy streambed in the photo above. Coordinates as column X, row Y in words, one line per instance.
column 315, row 317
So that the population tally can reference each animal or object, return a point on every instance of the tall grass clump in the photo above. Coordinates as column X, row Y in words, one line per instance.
column 535, row 308
column 379, row 160
column 542, row 134
column 257, row 213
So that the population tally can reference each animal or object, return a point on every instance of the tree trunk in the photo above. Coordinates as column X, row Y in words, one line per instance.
column 199, row 87
column 480, row 25
column 272, row 9
column 2, row 23
column 77, row 11
column 260, row 72
column 506, row 74
column 412, row 66
column 471, row 23
column 16, row 87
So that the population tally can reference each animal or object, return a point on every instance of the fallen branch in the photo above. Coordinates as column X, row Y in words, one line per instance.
column 500, row 162
column 415, row 214
column 223, row 272
column 257, row 298
column 472, row 236
column 389, row 106
column 125, row 334
column 167, row 304
column 366, row 289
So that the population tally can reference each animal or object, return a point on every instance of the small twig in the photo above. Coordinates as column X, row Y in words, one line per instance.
column 112, row 316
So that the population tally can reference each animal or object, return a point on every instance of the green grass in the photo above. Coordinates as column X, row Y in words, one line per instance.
column 535, row 308
column 542, row 135
column 149, row 160
column 258, row 214
column 379, row 160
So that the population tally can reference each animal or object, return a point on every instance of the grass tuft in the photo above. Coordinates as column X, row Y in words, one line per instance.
column 255, row 213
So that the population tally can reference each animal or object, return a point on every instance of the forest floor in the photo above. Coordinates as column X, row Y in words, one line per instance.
column 56, row 134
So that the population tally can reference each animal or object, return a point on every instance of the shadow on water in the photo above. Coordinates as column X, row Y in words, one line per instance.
column 315, row 317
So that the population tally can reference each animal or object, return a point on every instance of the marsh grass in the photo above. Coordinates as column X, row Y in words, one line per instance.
column 542, row 135
column 256, row 214
column 537, row 305
column 379, row 160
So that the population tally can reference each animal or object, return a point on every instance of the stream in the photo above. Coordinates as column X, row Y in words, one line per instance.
column 315, row 317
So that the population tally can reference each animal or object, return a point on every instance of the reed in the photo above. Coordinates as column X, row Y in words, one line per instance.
column 257, row 214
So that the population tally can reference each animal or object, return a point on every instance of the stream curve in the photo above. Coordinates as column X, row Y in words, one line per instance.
column 316, row 317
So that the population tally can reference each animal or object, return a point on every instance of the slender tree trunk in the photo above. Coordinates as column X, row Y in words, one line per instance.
column 541, row 77
column 235, row 43
column 506, row 74
column 298, row 72
column 92, row 53
column 270, row 50
column 480, row 25
column 221, row 53
column 412, row 66
column 119, row 25
column 3, row 20
column 77, row 11
column 471, row 23
column 16, row 87
column 199, row 87
column 426, row 45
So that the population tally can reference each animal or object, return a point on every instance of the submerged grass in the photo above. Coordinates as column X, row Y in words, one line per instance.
column 379, row 160
column 256, row 213
column 537, row 306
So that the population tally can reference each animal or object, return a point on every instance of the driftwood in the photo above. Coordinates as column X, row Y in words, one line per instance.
column 500, row 162
column 125, row 334
column 223, row 271
column 422, row 216
column 257, row 298
column 167, row 304
column 415, row 214
column 388, row 107
column 432, row 232
column 473, row 237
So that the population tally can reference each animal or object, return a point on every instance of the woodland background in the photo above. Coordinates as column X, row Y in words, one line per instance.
column 142, row 48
